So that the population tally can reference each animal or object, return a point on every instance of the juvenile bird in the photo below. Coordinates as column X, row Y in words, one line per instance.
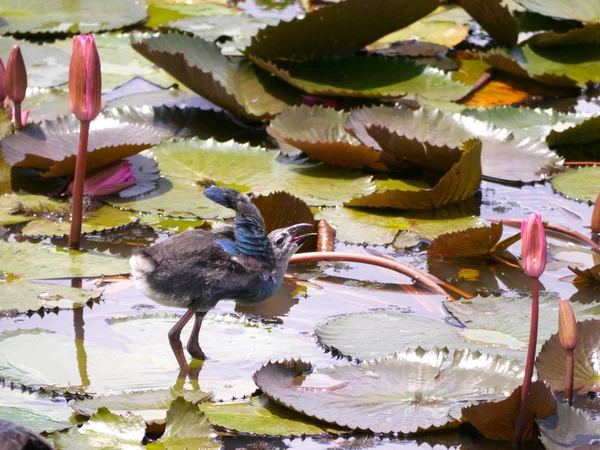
column 198, row 268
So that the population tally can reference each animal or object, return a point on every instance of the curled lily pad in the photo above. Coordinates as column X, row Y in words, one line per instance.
column 344, row 27
column 496, row 18
column 591, row 275
column 367, row 76
column 472, row 242
column 236, row 86
column 580, row 184
column 568, row 427
column 551, row 363
column 406, row 392
column 580, row 10
column 589, row 34
column 281, row 209
column 85, row 16
column 457, row 185
column 496, row 420
column 52, row 145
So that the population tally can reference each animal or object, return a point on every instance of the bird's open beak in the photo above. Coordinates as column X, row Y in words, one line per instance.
column 296, row 232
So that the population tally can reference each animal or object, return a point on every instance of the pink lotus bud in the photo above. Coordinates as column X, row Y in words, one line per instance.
column 567, row 325
column 110, row 179
column 2, row 83
column 85, row 79
column 596, row 216
column 533, row 246
column 312, row 100
column 16, row 76
column 24, row 116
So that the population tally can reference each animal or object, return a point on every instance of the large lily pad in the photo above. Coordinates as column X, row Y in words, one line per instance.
column 162, row 12
column 589, row 34
column 340, row 28
column 144, row 358
column 581, row 10
column 192, row 164
column 582, row 131
column 52, row 145
column 236, row 86
column 40, row 261
column 367, row 76
column 457, row 185
column 402, row 393
column 472, row 242
column 85, row 16
column 579, row 184
column 496, row 18
column 46, row 104
column 568, row 427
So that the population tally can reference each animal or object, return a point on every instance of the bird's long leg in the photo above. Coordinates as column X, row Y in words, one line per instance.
column 175, row 338
column 193, row 346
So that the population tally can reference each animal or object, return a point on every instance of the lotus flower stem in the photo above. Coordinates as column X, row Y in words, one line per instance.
column 17, row 116
column 569, row 377
column 77, row 201
column 426, row 279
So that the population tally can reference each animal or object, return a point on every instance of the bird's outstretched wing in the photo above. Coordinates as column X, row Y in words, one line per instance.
column 249, row 226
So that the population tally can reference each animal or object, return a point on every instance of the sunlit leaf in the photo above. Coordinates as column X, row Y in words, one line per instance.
column 341, row 28
column 281, row 209
column 591, row 275
column 589, row 34
column 405, row 391
column 582, row 131
column 580, row 184
column 367, row 76
column 162, row 12
column 495, row 17
column 568, row 427
column 581, row 10
column 496, row 420
column 472, row 242
column 235, row 85
column 85, row 16
column 46, row 104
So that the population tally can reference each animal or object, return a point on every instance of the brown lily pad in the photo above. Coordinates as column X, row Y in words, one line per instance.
column 495, row 17
column 472, row 242
column 325, row 237
column 586, row 276
column 282, row 209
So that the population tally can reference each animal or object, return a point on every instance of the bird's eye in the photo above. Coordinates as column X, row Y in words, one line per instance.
column 279, row 241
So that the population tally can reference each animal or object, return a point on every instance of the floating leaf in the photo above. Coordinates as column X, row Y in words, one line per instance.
column 40, row 261
column 589, row 34
column 281, row 209
column 496, row 420
column 581, row 10
column 580, row 184
column 145, row 168
column 85, row 16
column 581, row 132
column 46, row 104
column 187, row 427
column 406, row 392
column 591, row 275
column 341, row 28
column 495, row 17
column 236, row 86
column 104, row 430
column 367, row 76
column 192, row 164
column 162, row 12
column 457, row 185
column 262, row 416
column 472, row 242
column 52, row 145
column 568, row 427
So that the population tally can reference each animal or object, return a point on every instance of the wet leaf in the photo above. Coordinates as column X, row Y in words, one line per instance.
column 85, row 16
column 104, row 430
column 187, row 427
column 366, row 76
column 319, row 132
column 568, row 427
column 589, row 34
column 579, row 184
column 551, row 363
column 496, row 420
column 39, row 261
column 405, row 392
column 263, row 416
column 52, row 145
column 341, row 28
column 281, row 209
column 162, row 12
column 472, row 242
column 192, row 164
column 496, row 18
column 457, row 185
column 580, row 10
column 236, row 85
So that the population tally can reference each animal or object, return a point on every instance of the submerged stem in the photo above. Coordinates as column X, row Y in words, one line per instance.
column 17, row 115
column 77, row 203
column 569, row 377
column 531, row 349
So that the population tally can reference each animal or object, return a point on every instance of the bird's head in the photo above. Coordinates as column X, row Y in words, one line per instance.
column 286, row 241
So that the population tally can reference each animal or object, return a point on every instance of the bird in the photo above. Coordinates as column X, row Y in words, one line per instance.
column 198, row 268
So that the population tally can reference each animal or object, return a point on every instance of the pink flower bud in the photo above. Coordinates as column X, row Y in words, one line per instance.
column 2, row 83
column 567, row 325
column 16, row 76
column 533, row 246
column 85, row 79
column 110, row 179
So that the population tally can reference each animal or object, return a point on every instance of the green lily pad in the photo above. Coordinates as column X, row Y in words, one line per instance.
column 402, row 393
column 589, row 34
column 46, row 66
column 5, row 179
column 581, row 10
column 472, row 242
column 33, row 411
column 376, row 227
column 457, row 185
column 104, row 430
column 187, row 427
column 191, row 164
column 262, row 416
column 162, row 12
column 52, row 145
column 50, row 217
column 340, row 28
column 144, row 358
column 496, row 18
column 21, row 296
column 236, row 85
column 46, row 104
column 581, row 132
column 85, row 16
column 568, row 427
column 580, row 184
column 40, row 261
column 367, row 76
column 151, row 405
